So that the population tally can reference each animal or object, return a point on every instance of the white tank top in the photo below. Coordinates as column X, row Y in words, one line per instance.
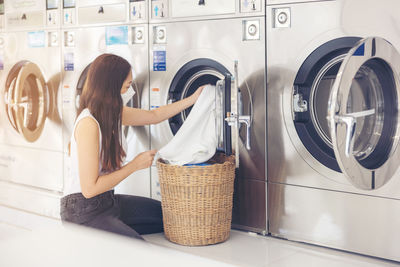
column 72, row 183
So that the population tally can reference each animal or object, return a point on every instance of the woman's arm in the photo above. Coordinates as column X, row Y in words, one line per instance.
column 92, row 184
column 139, row 117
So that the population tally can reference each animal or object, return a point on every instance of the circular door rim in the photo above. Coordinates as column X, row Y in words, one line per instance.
column 9, row 93
column 28, row 69
column 378, row 48
column 208, row 66
column 327, row 46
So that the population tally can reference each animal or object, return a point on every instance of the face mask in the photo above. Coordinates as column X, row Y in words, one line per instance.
column 127, row 95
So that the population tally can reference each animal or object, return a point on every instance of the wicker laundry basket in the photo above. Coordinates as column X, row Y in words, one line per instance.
column 197, row 201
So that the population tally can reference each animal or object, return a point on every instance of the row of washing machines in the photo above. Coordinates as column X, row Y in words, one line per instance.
column 313, row 117
column 46, row 48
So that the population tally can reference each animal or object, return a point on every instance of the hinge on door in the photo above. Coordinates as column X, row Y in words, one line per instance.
column 299, row 105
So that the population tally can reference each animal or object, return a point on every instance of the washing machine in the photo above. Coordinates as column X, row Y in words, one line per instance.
column 91, row 28
column 333, row 124
column 31, row 147
column 193, row 43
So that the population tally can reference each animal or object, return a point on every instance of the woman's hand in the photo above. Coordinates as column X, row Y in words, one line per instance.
column 196, row 94
column 144, row 160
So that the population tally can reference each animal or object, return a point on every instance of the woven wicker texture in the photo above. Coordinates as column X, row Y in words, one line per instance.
column 197, row 201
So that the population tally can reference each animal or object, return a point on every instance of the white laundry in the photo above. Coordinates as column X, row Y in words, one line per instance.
column 196, row 140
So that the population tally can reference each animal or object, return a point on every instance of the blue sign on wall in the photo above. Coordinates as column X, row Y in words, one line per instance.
column 159, row 60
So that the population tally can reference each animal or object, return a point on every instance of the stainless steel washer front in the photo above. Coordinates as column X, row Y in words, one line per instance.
column 200, row 45
column 333, row 96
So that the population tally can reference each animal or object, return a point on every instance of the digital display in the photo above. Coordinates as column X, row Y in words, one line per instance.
column 52, row 4
column 69, row 3
column 136, row 0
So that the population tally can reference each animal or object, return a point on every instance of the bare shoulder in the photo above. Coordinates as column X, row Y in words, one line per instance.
column 87, row 127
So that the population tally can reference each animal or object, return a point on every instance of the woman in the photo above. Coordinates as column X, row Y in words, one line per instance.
column 97, row 154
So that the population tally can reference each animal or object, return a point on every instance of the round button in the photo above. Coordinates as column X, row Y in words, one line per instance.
column 252, row 29
column 53, row 37
column 161, row 34
column 139, row 35
column 282, row 17
column 70, row 38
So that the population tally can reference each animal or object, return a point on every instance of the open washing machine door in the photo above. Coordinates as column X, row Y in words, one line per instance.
column 363, row 113
column 204, row 71
column 27, row 100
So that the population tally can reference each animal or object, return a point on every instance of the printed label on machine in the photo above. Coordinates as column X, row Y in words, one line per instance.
column 155, row 98
column 6, row 161
column 36, row 39
column 117, row 35
column 159, row 59
column 69, row 61
column 66, row 93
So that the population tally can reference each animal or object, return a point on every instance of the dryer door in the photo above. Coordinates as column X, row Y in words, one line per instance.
column 27, row 100
column 363, row 113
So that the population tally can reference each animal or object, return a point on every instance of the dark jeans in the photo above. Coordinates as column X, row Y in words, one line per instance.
column 122, row 214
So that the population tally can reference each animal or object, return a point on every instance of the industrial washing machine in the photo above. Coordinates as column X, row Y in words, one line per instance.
column 193, row 43
column 31, row 147
column 333, row 124
column 91, row 28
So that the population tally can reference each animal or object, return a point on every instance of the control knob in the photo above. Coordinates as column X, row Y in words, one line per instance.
column 161, row 34
column 282, row 17
column 252, row 29
column 139, row 35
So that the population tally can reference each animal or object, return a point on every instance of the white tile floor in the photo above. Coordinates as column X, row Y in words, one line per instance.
column 242, row 249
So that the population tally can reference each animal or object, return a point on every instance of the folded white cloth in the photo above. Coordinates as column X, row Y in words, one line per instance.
column 196, row 140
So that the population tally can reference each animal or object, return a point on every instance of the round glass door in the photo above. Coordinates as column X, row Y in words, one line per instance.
column 363, row 113
column 186, row 81
column 26, row 100
column 311, row 91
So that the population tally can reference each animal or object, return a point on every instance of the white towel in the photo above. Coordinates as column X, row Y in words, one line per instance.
column 196, row 140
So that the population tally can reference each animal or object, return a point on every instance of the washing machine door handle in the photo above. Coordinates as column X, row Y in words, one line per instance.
column 350, row 120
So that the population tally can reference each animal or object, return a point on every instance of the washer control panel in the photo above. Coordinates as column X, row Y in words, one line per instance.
column 251, row 30
column 282, row 17
column 138, row 35
column 159, row 35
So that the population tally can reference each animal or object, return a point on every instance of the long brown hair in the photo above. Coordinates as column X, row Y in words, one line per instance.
column 102, row 96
